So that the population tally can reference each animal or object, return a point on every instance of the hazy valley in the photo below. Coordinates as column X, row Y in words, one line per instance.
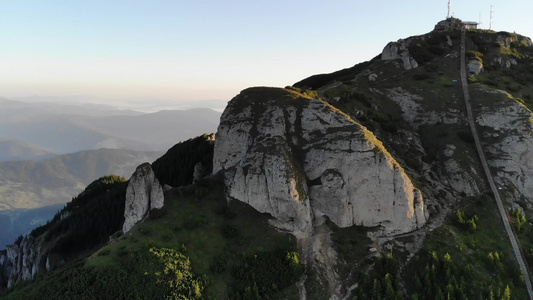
column 62, row 129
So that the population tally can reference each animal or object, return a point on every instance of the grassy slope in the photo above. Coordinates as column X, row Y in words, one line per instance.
column 219, row 240
column 475, row 274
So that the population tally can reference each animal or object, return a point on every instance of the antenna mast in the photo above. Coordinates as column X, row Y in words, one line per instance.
column 449, row 5
column 491, row 11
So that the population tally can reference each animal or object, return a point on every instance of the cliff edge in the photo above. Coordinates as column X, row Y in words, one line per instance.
column 303, row 161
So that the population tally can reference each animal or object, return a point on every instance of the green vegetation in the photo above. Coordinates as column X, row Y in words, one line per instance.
column 197, row 246
column 88, row 220
column 457, row 262
column 266, row 273
column 469, row 257
column 176, row 167
column 367, row 110
column 306, row 93
column 518, row 219
column 507, row 62
column 176, row 276
column 472, row 79
column 151, row 274
column 316, row 81
column 383, row 283
column 465, row 222
column 424, row 51
column 475, row 55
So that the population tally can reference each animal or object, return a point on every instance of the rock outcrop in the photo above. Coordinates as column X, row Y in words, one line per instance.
column 303, row 161
column 143, row 194
column 508, row 125
column 449, row 24
column 475, row 67
column 398, row 50
column 415, row 113
column 22, row 261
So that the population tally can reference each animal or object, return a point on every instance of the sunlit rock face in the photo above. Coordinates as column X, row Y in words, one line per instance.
column 302, row 161
column 143, row 194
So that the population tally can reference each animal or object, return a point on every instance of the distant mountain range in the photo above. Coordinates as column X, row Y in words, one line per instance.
column 19, row 150
column 61, row 129
column 31, row 184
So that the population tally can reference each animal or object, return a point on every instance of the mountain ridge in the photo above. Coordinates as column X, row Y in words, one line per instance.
column 18, row 150
column 66, row 129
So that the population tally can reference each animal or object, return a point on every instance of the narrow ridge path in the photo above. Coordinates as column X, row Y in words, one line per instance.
column 503, row 214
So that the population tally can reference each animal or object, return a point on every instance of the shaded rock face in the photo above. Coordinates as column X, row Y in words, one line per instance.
column 200, row 171
column 449, row 24
column 22, row 261
column 143, row 194
column 303, row 161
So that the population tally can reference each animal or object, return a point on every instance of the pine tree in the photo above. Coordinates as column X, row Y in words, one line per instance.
column 506, row 294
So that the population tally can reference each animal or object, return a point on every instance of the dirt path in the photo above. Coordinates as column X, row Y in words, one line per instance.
column 488, row 174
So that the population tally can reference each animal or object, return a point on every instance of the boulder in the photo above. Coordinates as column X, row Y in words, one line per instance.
column 475, row 67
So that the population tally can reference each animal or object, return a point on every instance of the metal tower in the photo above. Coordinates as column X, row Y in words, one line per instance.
column 490, row 22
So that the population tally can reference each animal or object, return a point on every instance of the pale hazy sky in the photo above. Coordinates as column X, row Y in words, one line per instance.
column 194, row 50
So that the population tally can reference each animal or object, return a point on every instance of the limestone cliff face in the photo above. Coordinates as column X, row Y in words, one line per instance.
column 23, row 261
column 398, row 51
column 301, row 160
column 143, row 194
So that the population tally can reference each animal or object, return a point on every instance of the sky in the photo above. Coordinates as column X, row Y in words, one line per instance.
column 138, row 51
